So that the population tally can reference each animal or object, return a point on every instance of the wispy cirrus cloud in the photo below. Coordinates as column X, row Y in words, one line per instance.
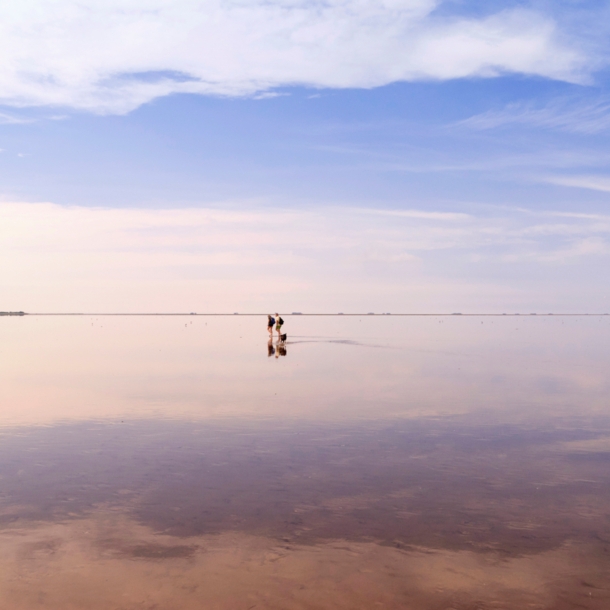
column 11, row 119
column 111, row 56
column 568, row 115
column 591, row 183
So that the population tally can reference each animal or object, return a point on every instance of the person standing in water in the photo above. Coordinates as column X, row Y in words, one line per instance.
column 270, row 323
column 278, row 325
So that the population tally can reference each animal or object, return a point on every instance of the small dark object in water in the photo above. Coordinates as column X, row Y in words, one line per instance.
column 283, row 337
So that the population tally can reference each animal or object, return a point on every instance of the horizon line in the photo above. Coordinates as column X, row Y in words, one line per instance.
column 294, row 313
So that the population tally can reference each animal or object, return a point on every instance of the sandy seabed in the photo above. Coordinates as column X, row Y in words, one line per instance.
column 108, row 561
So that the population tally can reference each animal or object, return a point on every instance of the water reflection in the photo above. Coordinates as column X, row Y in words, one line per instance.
column 278, row 349
column 339, row 369
column 456, row 465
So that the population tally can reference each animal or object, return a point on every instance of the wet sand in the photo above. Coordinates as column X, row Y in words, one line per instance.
column 108, row 561
column 427, row 514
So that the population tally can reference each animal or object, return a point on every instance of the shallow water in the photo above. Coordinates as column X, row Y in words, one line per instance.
column 182, row 462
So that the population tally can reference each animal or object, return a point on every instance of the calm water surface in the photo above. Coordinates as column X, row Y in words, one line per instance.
column 184, row 463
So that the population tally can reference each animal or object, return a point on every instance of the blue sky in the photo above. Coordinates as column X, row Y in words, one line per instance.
column 504, row 141
column 497, row 111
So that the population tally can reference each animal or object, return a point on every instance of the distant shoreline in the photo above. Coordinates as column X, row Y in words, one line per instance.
column 360, row 315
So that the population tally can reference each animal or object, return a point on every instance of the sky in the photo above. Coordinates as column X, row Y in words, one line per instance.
column 365, row 155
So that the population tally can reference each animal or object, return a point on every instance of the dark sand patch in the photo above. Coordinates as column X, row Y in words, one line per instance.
column 434, row 514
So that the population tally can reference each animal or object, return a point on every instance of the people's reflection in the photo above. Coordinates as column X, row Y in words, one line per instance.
column 277, row 350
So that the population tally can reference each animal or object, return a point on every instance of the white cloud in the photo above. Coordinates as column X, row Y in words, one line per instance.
column 592, row 183
column 110, row 56
column 54, row 257
column 574, row 116
column 582, row 248
column 11, row 119
column 420, row 214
